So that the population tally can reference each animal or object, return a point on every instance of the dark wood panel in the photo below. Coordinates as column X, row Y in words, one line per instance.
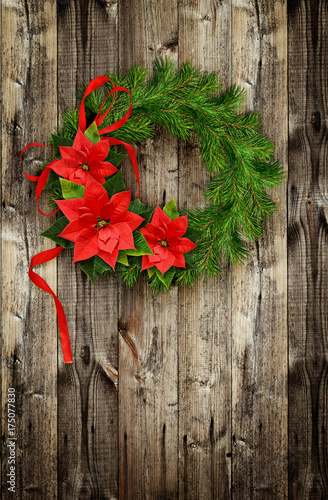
column 205, row 309
column 87, row 389
column 148, row 359
column 29, row 325
column 259, row 297
column 307, row 248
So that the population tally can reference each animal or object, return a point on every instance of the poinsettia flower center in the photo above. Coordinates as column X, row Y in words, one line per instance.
column 101, row 224
column 163, row 243
column 85, row 166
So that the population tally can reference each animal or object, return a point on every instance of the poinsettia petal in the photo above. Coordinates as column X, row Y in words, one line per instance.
column 146, row 264
column 104, row 169
column 155, row 258
column 160, row 216
column 126, row 241
column 86, row 244
column 70, row 208
column 64, row 167
column 81, row 140
column 79, row 176
column 177, row 227
column 119, row 204
column 185, row 245
column 88, row 219
column 161, row 251
column 166, row 263
column 156, row 231
column 105, row 233
column 150, row 238
column 71, row 154
column 98, row 151
column 110, row 258
column 131, row 219
column 109, row 245
column 95, row 195
column 179, row 258
column 72, row 230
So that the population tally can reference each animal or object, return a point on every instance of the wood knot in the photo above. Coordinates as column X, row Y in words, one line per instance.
column 316, row 120
column 85, row 354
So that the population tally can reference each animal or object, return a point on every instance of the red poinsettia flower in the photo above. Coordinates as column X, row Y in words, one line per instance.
column 83, row 160
column 164, row 236
column 99, row 225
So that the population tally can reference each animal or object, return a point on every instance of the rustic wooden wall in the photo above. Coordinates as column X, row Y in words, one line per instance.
column 216, row 392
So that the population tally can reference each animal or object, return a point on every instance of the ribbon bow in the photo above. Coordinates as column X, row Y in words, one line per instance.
column 42, row 181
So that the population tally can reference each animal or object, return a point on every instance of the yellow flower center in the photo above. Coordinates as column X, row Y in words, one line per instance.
column 101, row 224
column 163, row 243
column 85, row 167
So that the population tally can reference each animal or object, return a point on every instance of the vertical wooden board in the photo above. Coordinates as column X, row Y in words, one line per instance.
column 148, row 399
column 307, row 249
column 204, row 310
column 87, row 389
column 259, row 293
column 29, row 326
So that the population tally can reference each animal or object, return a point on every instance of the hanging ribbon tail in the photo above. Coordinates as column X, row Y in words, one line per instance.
column 40, row 258
column 40, row 179
column 132, row 155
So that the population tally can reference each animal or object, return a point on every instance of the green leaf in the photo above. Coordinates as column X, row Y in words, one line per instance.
column 166, row 278
column 71, row 190
column 142, row 247
column 190, row 260
column 53, row 181
column 151, row 271
column 92, row 133
column 56, row 141
column 94, row 267
column 115, row 184
column 171, row 210
column 115, row 157
column 122, row 257
column 55, row 229
column 145, row 211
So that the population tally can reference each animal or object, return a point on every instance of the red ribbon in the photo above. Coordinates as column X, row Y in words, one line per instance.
column 40, row 258
column 42, row 179
column 93, row 85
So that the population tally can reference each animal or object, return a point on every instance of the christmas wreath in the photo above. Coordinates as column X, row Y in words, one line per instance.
column 109, row 232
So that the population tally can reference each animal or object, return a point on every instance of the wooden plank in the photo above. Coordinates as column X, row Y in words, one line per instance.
column 148, row 399
column 29, row 347
column 307, row 249
column 204, row 310
column 259, row 296
column 87, row 390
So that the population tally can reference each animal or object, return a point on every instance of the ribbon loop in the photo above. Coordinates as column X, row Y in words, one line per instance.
column 40, row 179
column 93, row 85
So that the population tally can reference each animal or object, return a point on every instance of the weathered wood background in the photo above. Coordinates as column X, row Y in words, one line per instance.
column 216, row 392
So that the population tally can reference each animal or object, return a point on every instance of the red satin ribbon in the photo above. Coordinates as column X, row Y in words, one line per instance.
column 40, row 258
column 93, row 85
column 42, row 181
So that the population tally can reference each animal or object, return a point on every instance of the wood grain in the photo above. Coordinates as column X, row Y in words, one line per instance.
column 29, row 347
column 204, row 310
column 259, row 296
column 87, row 390
column 148, row 359
column 307, row 249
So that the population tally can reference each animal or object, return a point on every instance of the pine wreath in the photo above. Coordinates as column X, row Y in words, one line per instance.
column 188, row 103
